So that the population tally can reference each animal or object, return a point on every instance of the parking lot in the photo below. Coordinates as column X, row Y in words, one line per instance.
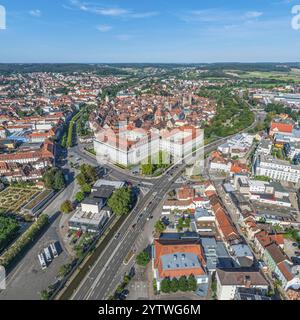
column 138, row 290
column 27, row 279
column 138, row 286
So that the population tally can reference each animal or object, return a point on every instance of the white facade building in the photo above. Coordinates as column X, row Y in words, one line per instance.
column 265, row 147
column 276, row 169
column 130, row 147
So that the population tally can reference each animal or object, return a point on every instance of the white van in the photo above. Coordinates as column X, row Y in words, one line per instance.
column 42, row 261
column 53, row 249
column 47, row 255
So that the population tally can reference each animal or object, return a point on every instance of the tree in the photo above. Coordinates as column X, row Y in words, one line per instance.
column 86, row 188
column 183, row 284
column 89, row 173
column 23, row 241
column 45, row 295
column 66, row 206
column 64, row 270
column 165, row 285
column 64, row 141
column 126, row 280
column 183, row 223
column 174, row 285
column 8, row 230
column 192, row 283
column 214, row 287
column 81, row 179
column 160, row 226
column 54, row 179
column 79, row 196
column 121, row 201
column 59, row 180
column 277, row 283
column 148, row 169
column 143, row 258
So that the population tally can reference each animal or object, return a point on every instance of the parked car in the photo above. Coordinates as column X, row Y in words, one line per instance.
column 131, row 272
column 125, row 293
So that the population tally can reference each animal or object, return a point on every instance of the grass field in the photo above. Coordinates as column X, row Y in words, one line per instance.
column 12, row 199
column 294, row 75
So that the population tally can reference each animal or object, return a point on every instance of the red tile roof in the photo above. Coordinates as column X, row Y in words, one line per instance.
column 185, row 193
column 284, row 270
column 281, row 127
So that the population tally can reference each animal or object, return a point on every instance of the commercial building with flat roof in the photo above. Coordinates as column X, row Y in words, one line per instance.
column 91, row 221
column 280, row 170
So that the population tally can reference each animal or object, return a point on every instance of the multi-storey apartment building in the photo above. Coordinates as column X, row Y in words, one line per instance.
column 280, row 170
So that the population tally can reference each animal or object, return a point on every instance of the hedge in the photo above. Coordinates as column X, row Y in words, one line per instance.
column 23, row 241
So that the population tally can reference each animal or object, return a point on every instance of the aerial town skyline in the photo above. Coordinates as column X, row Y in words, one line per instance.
column 149, row 154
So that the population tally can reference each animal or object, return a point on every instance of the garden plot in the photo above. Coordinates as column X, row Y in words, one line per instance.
column 14, row 198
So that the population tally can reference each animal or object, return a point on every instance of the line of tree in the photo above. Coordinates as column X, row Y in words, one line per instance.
column 9, row 227
column 278, row 108
column 28, row 237
column 72, row 125
column 82, row 123
column 149, row 168
column 183, row 284
column 86, row 178
column 99, row 69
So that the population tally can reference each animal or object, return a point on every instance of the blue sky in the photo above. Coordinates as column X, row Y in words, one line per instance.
column 149, row 31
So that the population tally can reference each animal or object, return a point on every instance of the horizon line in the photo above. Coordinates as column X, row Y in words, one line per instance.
column 186, row 63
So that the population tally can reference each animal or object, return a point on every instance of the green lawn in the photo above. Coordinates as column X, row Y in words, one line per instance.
column 294, row 75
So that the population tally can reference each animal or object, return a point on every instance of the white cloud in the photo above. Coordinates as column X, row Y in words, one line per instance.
column 104, row 28
column 110, row 11
column 219, row 16
column 114, row 12
column 2, row 18
column 35, row 13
